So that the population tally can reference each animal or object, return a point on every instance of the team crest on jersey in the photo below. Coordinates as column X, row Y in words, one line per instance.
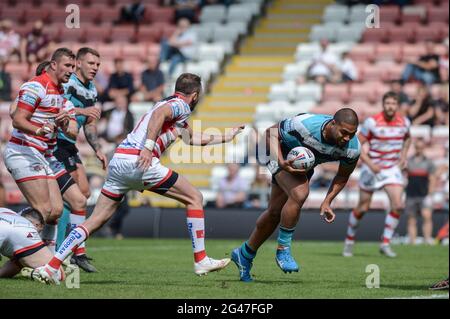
column 37, row 167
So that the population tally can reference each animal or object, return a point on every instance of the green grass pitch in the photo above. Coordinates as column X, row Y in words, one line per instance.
column 146, row 268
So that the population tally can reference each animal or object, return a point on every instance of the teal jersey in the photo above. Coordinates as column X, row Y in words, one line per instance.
column 82, row 96
column 306, row 130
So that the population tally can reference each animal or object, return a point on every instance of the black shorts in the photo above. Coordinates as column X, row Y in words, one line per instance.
column 67, row 153
column 309, row 175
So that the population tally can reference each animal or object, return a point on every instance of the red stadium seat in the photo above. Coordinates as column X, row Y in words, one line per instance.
column 401, row 34
column 149, row 33
column 159, row 14
column 18, row 70
column 33, row 14
column 438, row 14
column 166, row 29
column 124, row 33
column 110, row 51
column 362, row 92
column 99, row 34
column 389, row 14
column 90, row 15
column 375, row 35
column 412, row 52
column 416, row 14
column 363, row 52
column 432, row 32
column 109, row 14
column 154, row 49
column 339, row 92
column 394, row 71
column 75, row 34
column 135, row 51
column 372, row 73
column 389, row 52
column 16, row 14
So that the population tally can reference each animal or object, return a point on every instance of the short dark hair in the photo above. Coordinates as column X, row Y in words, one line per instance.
column 85, row 50
column 391, row 95
column 188, row 83
column 32, row 213
column 41, row 67
column 346, row 115
column 56, row 56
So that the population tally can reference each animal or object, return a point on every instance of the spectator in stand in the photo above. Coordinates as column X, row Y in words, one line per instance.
column 5, row 83
column 35, row 47
column 186, row 9
column 348, row 69
column 211, row 2
column 439, row 103
column 152, row 79
column 9, row 41
column 426, row 69
column 421, row 110
column 232, row 190
column 421, row 186
column 132, row 13
column 120, row 82
column 258, row 196
column 119, row 119
column 180, row 47
column 404, row 101
column 324, row 66
column 443, row 67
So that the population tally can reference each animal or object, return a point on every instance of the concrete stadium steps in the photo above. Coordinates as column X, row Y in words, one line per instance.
column 247, row 78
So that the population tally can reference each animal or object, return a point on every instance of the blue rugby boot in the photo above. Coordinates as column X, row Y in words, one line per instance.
column 244, row 265
column 285, row 261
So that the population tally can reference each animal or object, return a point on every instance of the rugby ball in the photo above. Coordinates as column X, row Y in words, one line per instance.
column 303, row 158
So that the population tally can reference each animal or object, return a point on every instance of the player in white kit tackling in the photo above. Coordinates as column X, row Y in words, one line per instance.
column 136, row 166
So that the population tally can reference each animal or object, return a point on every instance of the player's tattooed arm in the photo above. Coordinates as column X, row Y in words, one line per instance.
column 90, row 131
column 202, row 139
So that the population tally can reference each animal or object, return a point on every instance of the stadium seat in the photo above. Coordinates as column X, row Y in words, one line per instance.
column 440, row 135
column 225, row 33
column 363, row 52
column 149, row 33
column 323, row 31
column 358, row 13
column 351, row 33
column 124, row 33
column 340, row 92
column 363, row 92
column 389, row 14
column 208, row 52
column 306, row 51
column 429, row 33
column 213, row 13
column 376, row 35
column 135, row 51
column 401, row 34
column 294, row 70
column 335, row 13
column 282, row 91
column 412, row 52
column 388, row 52
column 438, row 14
column 423, row 131
column 204, row 32
column 240, row 13
column 309, row 92
column 162, row 14
column 99, row 33
column 413, row 13
column 304, row 106
column 75, row 34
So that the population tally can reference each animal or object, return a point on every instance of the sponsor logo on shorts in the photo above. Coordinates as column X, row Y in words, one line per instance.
column 37, row 167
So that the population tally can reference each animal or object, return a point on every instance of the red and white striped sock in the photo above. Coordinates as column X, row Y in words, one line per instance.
column 77, row 217
column 75, row 238
column 353, row 223
column 49, row 234
column 390, row 225
column 196, row 228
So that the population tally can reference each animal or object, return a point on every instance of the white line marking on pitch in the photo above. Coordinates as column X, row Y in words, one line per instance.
column 443, row 296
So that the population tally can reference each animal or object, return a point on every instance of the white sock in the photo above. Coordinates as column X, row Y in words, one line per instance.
column 196, row 228
column 390, row 224
column 77, row 218
column 353, row 223
column 75, row 238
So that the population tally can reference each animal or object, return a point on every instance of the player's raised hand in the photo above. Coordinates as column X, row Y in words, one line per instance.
column 234, row 132
column 62, row 119
column 145, row 159
column 102, row 158
column 327, row 213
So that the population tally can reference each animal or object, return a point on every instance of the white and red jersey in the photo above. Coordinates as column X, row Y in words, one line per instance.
column 385, row 138
column 134, row 142
column 44, row 98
